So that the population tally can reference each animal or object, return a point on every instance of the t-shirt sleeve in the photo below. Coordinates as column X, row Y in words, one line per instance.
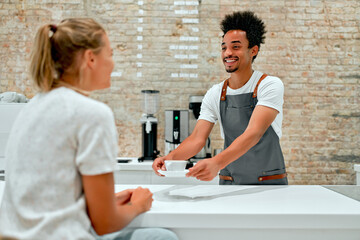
column 208, row 106
column 97, row 143
column 271, row 93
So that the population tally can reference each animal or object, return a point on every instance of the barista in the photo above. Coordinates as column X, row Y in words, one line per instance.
column 248, row 106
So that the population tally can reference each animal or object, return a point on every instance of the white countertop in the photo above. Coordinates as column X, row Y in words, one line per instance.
column 134, row 165
column 135, row 172
column 310, row 210
column 250, row 212
column 254, row 206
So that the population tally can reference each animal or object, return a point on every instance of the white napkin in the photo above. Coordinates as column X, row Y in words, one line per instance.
column 206, row 190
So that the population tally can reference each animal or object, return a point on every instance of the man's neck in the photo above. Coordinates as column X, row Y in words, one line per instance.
column 240, row 78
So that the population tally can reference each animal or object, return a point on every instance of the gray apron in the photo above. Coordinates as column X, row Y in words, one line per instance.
column 264, row 162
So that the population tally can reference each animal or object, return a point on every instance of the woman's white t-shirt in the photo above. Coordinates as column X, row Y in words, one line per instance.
column 270, row 94
column 58, row 137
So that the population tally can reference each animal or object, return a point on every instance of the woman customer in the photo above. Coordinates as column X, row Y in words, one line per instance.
column 62, row 149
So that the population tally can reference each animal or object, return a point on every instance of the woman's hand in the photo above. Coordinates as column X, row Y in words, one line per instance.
column 123, row 197
column 142, row 199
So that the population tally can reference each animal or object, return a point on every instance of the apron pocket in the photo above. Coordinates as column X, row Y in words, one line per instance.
column 277, row 175
column 272, row 172
column 242, row 108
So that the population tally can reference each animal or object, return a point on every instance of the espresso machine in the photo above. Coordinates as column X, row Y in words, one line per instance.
column 150, row 106
column 176, row 128
column 195, row 107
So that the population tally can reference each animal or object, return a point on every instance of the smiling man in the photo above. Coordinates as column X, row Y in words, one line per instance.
column 248, row 106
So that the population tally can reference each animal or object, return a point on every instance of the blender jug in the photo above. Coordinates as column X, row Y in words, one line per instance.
column 149, row 122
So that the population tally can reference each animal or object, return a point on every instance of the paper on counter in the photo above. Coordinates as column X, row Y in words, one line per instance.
column 206, row 190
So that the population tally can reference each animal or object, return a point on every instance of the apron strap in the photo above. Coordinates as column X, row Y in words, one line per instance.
column 223, row 91
column 226, row 83
column 258, row 83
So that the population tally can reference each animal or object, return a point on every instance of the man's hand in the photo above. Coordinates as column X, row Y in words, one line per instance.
column 204, row 170
column 188, row 148
column 159, row 164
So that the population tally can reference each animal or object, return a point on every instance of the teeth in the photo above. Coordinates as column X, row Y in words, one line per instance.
column 229, row 61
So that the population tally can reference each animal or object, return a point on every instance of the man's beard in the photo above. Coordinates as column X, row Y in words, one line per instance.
column 231, row 70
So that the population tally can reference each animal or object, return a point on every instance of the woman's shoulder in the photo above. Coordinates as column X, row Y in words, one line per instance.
column 82, row 105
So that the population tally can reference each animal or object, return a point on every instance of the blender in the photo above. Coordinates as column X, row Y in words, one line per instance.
column 149, row 122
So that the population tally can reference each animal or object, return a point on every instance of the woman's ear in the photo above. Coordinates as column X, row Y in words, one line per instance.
column 89, row 58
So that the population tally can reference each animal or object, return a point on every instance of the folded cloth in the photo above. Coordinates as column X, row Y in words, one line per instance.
column 206, row 190
column 12, row 97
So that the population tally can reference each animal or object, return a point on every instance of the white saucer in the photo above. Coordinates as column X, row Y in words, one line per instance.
column 173, row 173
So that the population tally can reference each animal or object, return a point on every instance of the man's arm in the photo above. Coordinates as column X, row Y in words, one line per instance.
column 194, row 143
column 189, row 147
column 260, row 121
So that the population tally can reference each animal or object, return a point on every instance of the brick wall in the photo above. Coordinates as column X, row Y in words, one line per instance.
column 174, row 46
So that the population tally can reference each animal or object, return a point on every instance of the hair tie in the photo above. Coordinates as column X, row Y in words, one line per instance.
column 53, row 28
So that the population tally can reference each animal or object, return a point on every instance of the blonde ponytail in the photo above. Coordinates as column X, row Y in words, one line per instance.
column 42, row 65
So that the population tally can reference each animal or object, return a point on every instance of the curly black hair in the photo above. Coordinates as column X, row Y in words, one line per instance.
column 248, row 22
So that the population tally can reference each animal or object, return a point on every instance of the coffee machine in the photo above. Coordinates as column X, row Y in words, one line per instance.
column 195, row 107
column 150, row 106
column 176, row 128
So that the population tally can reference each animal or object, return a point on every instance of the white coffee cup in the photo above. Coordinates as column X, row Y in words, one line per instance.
column 175, row 165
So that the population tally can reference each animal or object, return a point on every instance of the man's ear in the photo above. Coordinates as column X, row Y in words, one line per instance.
column 254, row 50
column 89, row 58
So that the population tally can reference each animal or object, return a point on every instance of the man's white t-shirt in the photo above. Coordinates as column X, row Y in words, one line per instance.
column 270, row 94
column 58, row 137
